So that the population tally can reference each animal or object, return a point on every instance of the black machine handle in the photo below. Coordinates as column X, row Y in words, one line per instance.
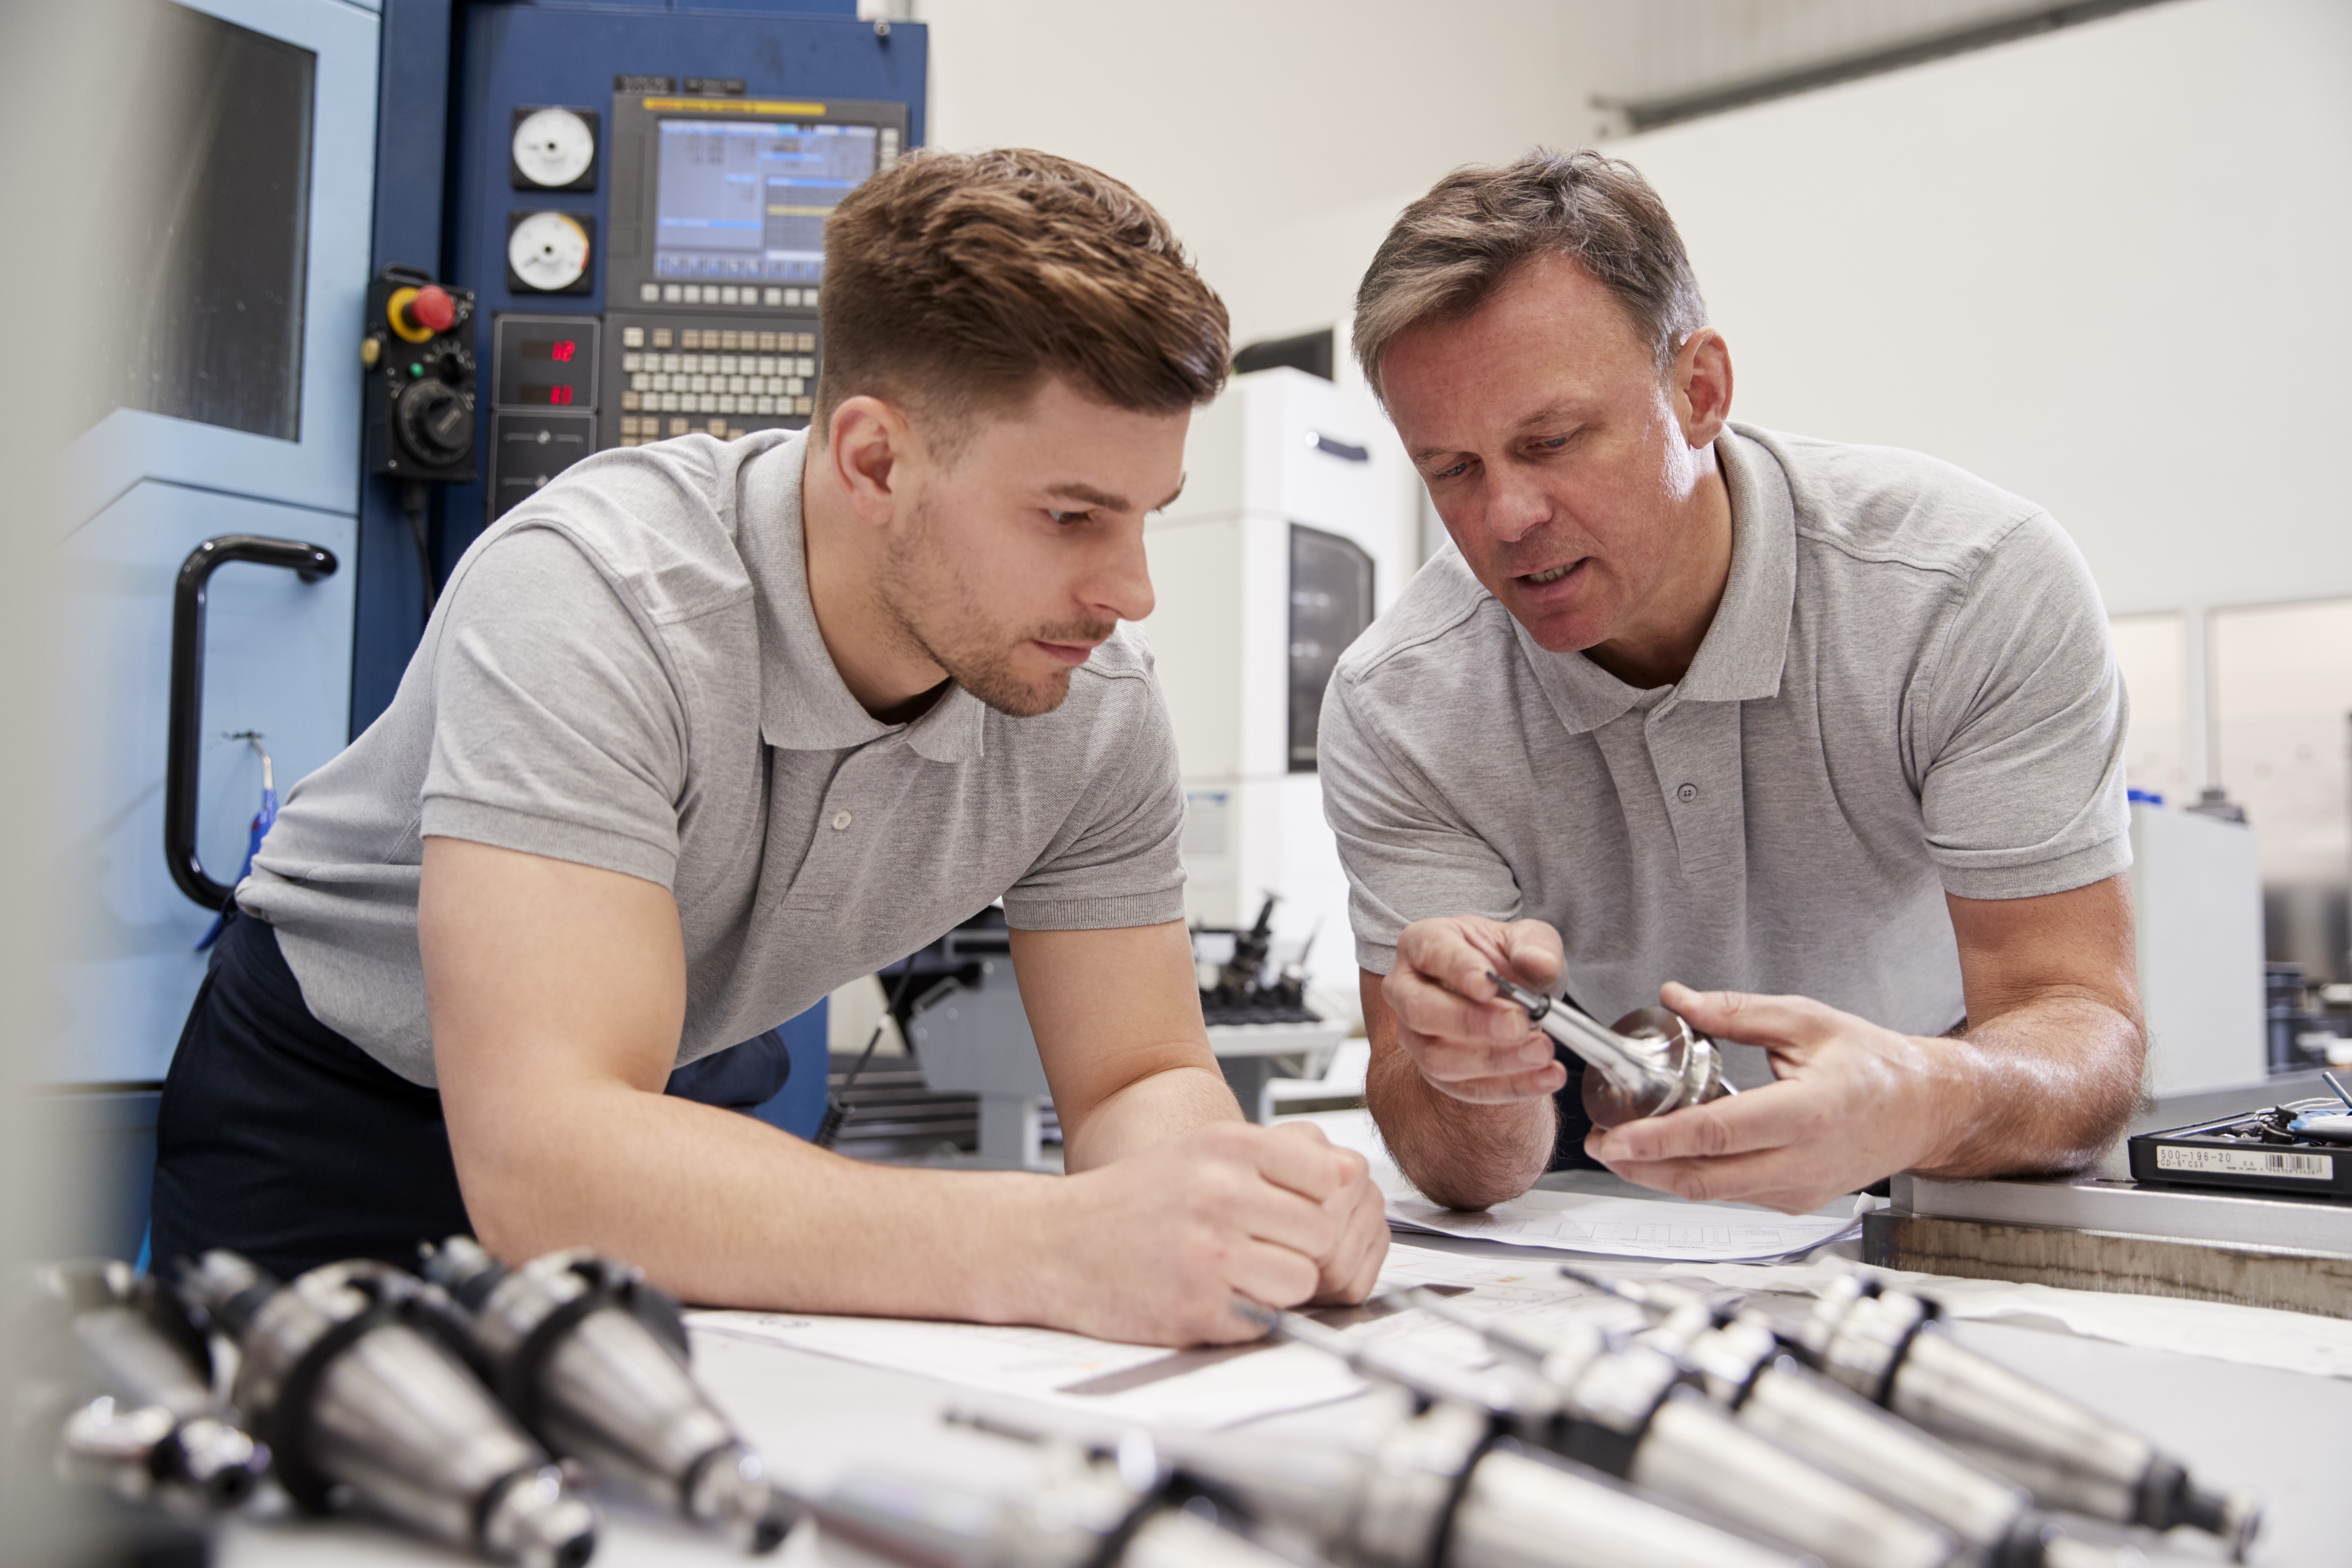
column 308, row 561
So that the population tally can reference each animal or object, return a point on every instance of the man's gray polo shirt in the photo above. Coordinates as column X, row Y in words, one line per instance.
column 625, row 672
column 1907, row 690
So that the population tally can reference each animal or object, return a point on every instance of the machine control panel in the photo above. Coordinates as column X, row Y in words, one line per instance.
column 419, row 420
column 719, row 377
column 716, row 253
column 544, row 419
column 712, row 262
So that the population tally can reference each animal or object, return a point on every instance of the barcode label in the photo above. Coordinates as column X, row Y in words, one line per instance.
column 2248, row 1163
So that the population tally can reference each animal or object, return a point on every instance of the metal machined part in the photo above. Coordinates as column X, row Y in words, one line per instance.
column 1651, row 1062
column 1531, row 1509
column 129, row 1385
column 1810, row 1415
column 1621, row 1412
column 1691, row 1451
column 1743, row 1361
column 1628, row 1413
column 350, row 1371
column 1083, row 1514
column 595, row 1360
column 1886, row 1345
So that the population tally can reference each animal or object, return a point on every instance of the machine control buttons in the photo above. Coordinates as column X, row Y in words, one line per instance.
column 633, row 337
column 420, row 393
column 417, row 313
column 429, row 308
column 548, row 252
column 554, row 149
column 435, row 421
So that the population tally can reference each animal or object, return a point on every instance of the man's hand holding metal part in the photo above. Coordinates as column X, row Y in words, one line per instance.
column 1817, row 745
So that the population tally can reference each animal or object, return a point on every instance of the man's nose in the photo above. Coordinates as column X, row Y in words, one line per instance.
column 1120, row 586
column 1516, row 503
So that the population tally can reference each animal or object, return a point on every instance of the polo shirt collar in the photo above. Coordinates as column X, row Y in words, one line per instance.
column 805, row 705
column 1741, row 657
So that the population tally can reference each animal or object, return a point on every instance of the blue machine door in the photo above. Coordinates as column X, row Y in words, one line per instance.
column 236, row 413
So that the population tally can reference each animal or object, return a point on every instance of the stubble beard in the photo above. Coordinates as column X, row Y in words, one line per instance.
column 940, row 615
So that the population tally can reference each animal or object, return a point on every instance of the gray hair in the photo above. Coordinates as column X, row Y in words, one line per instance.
column 1447, row 253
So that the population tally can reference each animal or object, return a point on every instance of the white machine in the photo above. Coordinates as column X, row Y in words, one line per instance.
column 2197, row 905
column 1299, row 521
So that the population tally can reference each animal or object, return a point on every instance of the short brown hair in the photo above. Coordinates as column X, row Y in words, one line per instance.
column 1449, row 251
column 956, row 282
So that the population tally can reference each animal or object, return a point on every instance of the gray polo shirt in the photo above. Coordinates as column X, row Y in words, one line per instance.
column 1907, row 690
column 625, row 672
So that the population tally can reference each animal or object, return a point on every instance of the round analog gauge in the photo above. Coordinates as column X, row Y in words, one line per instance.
column 553, row 147
column 548, row 252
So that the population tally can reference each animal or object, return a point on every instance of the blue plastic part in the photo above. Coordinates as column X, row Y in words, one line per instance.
column 2144, row 797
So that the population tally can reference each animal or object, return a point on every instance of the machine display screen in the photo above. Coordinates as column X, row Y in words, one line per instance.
column 748, row 201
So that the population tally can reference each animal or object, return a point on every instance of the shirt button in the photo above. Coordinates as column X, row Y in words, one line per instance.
column 1686, row 795
column 841, row 819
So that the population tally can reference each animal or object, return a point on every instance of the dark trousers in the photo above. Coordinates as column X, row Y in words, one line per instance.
column 279, row 1139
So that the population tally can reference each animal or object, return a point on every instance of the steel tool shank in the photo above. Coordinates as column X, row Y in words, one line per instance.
column 593, row 1360
column 1652, row 1062
column 127, row 1392
column 350, row 1373
column 1887, row 1346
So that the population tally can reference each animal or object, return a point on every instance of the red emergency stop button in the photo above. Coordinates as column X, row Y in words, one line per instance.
column 433, row 309
column 417, row 313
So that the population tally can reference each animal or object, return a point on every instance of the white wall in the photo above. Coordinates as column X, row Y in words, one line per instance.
column 2105, row 269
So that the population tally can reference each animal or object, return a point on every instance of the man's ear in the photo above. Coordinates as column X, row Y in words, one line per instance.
column 872, row 449
column 1702, row 385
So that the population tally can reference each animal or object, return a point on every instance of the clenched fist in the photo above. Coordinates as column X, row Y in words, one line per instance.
column 1154, row 1247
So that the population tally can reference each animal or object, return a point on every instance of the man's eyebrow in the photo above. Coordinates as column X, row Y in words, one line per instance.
column 1545, row 416
column 1571, row 410
column 1073, row 491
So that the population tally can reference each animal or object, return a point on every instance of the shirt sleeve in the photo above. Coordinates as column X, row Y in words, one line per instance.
column 1118, row 859
column 1409, row 856
column 2021, row 728
column 556, row 728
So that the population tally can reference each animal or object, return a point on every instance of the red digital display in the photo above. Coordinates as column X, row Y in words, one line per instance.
column 561, row 353
column 560, row 397
column 560, row 350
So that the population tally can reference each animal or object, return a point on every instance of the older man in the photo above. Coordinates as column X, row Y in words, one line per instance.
column 1820, row 744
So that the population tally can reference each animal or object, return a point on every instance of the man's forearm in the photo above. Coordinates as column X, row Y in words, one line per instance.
column 1150, row 1110
column 2046, row 1086
column 720, row 1209
column 1462, row 1155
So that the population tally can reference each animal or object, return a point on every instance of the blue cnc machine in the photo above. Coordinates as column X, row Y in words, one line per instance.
column 587, row 224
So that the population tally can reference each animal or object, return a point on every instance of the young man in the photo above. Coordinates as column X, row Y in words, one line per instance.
column 1699, row 704
column 705, row 730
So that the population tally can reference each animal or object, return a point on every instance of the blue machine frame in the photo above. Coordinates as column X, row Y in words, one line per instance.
column 410, row 130
column 142, row 489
